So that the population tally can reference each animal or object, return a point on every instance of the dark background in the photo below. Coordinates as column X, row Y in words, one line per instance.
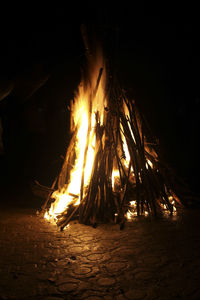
column 155, row 54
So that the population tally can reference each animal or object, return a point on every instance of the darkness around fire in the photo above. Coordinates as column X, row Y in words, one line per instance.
column 154, row 52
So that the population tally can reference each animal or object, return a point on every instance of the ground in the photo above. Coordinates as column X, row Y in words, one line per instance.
column 149, row 259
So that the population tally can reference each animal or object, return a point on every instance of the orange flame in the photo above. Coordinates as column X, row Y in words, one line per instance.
column 83, row 109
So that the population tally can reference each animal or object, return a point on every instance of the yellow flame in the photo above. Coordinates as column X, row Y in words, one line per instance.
column 115, row 174
column 131, row 214
column 133, row 203
column 149, row 163
column 80, row 115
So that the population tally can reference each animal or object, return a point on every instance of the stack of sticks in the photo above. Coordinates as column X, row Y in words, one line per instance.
column 144, row 179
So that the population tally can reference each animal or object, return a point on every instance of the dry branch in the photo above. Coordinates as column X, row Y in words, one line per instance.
column 49, row 194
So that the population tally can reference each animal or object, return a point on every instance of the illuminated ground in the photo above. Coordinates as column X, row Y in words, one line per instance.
column 147, row 260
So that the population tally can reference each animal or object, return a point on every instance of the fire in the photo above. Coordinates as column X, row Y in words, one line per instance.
column 115, row 177
column 108, row 158
column 83, row 117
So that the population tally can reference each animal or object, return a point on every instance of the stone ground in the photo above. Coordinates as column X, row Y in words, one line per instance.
column 149, row 259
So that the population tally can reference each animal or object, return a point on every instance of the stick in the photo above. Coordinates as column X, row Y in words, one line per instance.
column 69, row 218
column 48, row 197
column 43, row 187
column 62, row 176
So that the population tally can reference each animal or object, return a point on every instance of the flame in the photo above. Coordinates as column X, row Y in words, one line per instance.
column 165, row 207
column 82, row 110
column 115, row 176
column 149, row 164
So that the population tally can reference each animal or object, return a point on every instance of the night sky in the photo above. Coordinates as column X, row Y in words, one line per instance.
column 155, row 53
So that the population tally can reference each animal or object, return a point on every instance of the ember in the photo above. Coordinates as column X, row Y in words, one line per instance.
column 112, row 169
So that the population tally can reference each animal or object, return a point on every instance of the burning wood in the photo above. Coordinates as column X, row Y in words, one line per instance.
column 112, row 169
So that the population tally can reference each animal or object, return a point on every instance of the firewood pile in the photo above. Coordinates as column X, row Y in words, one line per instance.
column 144, row 180
column 127, row 174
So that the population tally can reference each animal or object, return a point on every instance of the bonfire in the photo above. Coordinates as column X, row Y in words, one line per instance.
column 112, row 169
